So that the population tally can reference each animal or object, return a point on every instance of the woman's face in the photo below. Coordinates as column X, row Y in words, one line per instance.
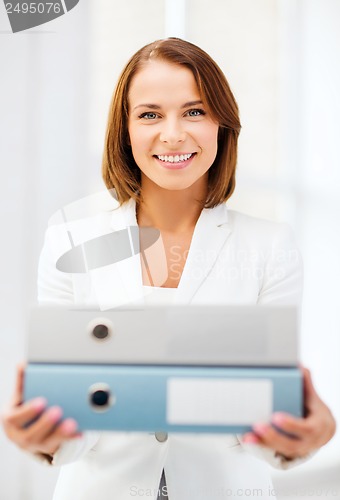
column 173, row 136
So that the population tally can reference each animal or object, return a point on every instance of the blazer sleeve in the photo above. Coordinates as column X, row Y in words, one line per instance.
column 56, row 288
column 282, row 270
column 281, row 285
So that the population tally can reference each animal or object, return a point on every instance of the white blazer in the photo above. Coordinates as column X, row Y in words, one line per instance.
column 233, row 259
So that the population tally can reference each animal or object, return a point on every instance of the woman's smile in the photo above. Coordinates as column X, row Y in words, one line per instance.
column 175, row 160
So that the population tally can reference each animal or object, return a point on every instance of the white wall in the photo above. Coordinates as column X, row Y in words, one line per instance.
column 281, row 58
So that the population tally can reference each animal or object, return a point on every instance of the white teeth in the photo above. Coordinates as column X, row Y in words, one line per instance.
column 174, row 159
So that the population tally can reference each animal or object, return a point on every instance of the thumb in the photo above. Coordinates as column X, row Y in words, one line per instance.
column 311, row 397
column 19, row 385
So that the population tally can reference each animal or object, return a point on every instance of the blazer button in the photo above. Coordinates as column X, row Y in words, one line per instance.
column 161, row 436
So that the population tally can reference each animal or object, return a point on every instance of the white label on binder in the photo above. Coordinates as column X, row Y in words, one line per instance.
column 202, row 401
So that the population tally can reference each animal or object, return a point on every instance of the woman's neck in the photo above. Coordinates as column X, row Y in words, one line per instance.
column 169, row 211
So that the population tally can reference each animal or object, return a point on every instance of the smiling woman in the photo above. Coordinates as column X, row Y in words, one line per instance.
column 170, row 154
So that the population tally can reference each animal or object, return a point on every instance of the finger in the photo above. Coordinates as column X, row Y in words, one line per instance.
column 300, row 427
column 19, row 385
column 43, row 427
column 250, row 438
column 23, row 414
column 277, row 441
column 68, row 429
column 310, row 395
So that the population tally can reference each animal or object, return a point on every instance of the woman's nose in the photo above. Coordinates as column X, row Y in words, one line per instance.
column 172, row 132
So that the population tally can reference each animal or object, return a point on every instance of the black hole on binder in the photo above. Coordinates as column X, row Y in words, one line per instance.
column 100, row 331
column 100, row 398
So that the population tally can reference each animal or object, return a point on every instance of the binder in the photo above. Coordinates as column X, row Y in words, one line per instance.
column 182, row 334
column 169, row 398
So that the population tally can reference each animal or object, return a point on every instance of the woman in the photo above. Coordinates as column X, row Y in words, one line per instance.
column 171, row 156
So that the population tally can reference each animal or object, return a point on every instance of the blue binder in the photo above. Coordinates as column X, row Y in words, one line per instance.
column 210, row 399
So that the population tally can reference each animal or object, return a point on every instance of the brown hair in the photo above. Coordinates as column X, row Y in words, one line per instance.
column 119, row 168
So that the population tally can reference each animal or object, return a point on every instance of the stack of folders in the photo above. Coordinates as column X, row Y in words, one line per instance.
column 173, row 369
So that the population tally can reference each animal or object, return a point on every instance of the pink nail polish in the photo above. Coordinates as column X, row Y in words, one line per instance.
column 278, row 418
column 55, row 414
column 39, row 403
column 69, row 426
column 251, row 439
column 260, row 429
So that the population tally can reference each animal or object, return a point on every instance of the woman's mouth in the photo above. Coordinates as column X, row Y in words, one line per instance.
column 176, row 161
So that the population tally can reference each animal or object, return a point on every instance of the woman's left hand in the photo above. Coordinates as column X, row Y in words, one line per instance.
column 309, row 433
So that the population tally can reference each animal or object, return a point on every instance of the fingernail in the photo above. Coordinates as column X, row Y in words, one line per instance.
column 69, row 426
column 39, row 403
column 251, row 439
column 261, row 429
column 54, row 413
column 278, row 418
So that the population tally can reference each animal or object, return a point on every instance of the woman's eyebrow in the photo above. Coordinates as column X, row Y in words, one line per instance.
column 155, row 106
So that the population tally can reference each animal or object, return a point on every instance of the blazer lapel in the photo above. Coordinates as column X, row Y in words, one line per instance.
column 121, row 283
column 210, row 235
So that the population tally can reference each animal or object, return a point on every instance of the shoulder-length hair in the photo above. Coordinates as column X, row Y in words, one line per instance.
column 119, row 168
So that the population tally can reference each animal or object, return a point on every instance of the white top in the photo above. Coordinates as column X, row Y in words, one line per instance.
column 233, row 259
column 159, row 295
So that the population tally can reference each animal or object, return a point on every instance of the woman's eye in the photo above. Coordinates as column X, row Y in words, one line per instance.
column 196, row 112
column 148, row 116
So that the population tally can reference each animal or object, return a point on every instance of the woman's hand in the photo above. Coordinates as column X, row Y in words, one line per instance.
column 46, row 433
column 309, row 433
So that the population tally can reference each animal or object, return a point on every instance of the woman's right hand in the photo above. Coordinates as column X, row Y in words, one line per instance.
column 46, row 433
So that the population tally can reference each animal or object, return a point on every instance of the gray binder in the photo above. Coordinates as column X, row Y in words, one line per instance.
column 175, row 335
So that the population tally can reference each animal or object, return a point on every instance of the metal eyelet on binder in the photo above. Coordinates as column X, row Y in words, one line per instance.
column 100, row 397
column 100, row 328
column 161, row 436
